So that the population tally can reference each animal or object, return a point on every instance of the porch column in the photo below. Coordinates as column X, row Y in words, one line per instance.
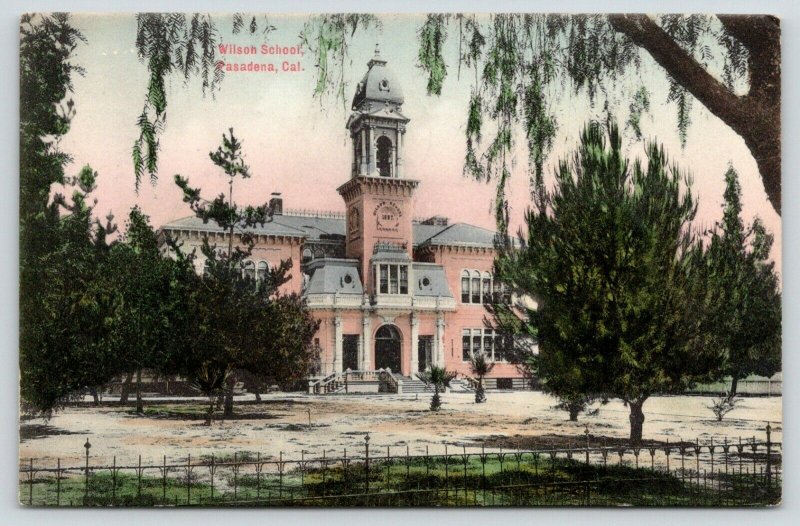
column 337, row 344
column 439, row 360
column 366, row 343
column 414, row 344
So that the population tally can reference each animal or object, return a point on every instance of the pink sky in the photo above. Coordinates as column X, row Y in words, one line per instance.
column 296, row 147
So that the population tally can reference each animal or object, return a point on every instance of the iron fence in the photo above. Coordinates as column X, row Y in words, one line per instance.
column 727, row 473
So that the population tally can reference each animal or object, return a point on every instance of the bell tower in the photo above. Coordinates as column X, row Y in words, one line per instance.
column 378, row 197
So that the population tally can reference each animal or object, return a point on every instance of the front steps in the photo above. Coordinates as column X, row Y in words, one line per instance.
column 351, row 382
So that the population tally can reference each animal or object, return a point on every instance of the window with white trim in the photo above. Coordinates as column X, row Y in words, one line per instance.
column 261, row 273
column 477, row 287
column 249, row 270
column 392, row 278
column 482, row 340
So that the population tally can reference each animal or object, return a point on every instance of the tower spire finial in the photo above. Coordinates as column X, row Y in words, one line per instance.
column 377, row 50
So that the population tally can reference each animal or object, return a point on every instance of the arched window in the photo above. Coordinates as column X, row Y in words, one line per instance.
column 487, row 287
column 308, row 256
column 262, row 271
column 383, row 157
column 249, row 270
column 206, row 268
column 475, row 288
column 465, row 286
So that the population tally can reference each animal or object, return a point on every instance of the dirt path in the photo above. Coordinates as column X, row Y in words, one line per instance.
column 338, row 422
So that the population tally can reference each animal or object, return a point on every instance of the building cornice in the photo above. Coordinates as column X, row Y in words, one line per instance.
column 383, row 186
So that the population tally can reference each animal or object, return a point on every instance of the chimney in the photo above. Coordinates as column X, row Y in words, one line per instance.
column 276, row 204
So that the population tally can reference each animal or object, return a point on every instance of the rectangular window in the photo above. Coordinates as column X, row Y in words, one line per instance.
column 488, row 344
column 487, row 290
column 403, row 279
column 393, row 279
column 480, row 340
column 499, row 349
column 466, row 354
column 384, row 279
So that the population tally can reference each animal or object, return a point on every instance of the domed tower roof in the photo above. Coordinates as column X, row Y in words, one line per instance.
column 378, row 86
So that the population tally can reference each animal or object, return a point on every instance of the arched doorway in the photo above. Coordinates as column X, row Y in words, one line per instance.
column 387, row 348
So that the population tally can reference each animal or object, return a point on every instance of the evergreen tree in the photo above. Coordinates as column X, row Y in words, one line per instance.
column 239, row 321
column 605, row 262
column 63, row 301
column 743, row 304
column 151, row 292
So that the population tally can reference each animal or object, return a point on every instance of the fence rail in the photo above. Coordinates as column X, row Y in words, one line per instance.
column 735, row 473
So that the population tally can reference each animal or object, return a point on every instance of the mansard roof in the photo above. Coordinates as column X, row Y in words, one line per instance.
column 430, row 280
column 331, row 275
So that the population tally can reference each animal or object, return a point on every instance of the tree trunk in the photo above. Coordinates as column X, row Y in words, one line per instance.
column 734, row 384
column 139, row 404
column 95, row 396
column 126, row 389
column 228, row 413
column 637, row 421
column 258, row 395
column 574, row 409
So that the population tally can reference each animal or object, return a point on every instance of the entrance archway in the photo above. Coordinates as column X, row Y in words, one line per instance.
column 387, row 348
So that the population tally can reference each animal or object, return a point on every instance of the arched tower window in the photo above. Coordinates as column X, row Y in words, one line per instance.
column 384, row 156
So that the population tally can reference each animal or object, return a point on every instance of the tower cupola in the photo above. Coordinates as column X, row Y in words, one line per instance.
column 377, row 125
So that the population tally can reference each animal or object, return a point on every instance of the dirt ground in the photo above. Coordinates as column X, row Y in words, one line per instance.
column 281, row 423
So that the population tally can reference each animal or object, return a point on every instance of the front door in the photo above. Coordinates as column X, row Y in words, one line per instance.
column 350, row 352
column 425, row 353
column 387, row 348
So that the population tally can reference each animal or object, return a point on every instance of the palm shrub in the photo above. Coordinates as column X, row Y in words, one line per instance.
column 211, row 380
column 480, row 368
column 439, row 378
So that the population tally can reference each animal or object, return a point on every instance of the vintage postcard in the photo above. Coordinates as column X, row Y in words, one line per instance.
column 357, row 260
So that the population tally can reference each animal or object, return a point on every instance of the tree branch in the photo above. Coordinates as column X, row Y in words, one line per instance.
column 680, row 65
column 761, row 35
column 756, row 116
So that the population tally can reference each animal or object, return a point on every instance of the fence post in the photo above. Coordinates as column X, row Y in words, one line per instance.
column 58, row 483
column 87, row 446
column 586, row 432
column 189, row 479
column 366, row 461
column 164, row 482
column 30, row 482
column 769, row 456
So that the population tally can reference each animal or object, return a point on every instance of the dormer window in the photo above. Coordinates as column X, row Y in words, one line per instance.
column 392, row 278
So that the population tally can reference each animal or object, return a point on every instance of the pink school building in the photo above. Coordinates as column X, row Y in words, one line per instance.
column 392, row 293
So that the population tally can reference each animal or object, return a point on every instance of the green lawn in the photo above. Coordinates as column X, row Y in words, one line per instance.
column 413, row 482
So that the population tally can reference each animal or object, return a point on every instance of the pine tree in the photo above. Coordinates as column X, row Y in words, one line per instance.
column 743, row 304
column 604, row 260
